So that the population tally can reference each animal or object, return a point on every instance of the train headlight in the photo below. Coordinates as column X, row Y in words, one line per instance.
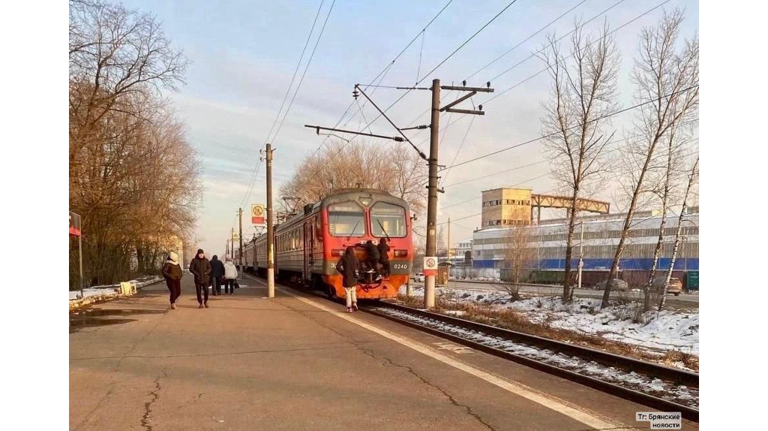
column 337, row 252
column 401, row 253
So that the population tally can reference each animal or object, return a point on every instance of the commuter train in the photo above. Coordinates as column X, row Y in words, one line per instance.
column 308, row 246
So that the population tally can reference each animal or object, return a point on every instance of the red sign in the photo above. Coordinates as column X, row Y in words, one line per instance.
column 430, row 265
column 257, row 214
column 74, row 224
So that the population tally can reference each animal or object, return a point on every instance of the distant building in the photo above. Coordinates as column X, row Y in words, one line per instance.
column 458, row 254
column 514, row 207
column 601, row 236
column 506, row 207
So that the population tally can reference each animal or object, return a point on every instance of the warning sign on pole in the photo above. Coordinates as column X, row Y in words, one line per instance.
column 257, row 214
column 430, row 265
column 74, row 224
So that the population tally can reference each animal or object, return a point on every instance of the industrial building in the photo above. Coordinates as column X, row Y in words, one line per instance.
column 595, row 237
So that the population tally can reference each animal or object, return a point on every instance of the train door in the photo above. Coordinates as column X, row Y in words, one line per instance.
column 307, row 248
column 311, row 245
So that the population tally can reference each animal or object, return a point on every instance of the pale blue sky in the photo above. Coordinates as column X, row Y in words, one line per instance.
column 243, row 54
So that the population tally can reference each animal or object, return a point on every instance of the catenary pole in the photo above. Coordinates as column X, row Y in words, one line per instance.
column 270, row 228
column 431, row 251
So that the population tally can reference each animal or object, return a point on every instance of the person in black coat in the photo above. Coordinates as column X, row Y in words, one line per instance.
column 201, row 268
column 172, row 274
column 384, row 256
column 372, row 260
column 217, row 272
column 347, row 267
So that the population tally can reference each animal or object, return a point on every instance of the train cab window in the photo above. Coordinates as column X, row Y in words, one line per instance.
column 346, row 219
column 388, row 220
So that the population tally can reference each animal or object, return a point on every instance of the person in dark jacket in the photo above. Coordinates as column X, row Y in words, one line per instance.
column 217, row 272
column 172, row 275
column 347, row 267
column 384, row 256
column 201, row 268
column 372, row 261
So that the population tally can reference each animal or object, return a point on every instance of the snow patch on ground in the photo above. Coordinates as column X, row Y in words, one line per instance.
column 100, row 292
column 653, row 331
column 648, row 384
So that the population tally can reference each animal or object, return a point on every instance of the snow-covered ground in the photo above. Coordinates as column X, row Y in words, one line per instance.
column 653, row 331
column 486, row 279
column 110, row 290
column 89, row 293
column 645, row 383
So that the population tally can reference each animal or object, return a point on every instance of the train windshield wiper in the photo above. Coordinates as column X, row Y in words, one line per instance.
column 353, row 230
column 382, row 228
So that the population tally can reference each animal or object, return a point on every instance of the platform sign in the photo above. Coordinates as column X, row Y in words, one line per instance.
column 74, row 224
column 430, row 265
column 235, row 237
column 257, row 214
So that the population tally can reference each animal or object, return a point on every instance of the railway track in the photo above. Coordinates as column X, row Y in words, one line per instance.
column 664, row 388
column 656, row 386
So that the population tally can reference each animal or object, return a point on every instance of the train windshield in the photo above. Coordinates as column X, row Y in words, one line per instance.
column 346, row 219
column 388, row 220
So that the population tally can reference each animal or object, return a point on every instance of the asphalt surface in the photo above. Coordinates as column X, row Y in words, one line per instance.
column 296, row 362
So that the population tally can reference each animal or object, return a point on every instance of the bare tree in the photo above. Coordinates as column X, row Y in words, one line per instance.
column 113, row 52
column 692, row 179
column 520, row 256
column 583, row 94
column 670, row 80
column 441, row 242
column 393, row 168
column 138, row 191
column 133, row 176
column 667, row 193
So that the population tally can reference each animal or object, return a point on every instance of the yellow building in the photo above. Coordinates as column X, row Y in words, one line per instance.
column 506, row 207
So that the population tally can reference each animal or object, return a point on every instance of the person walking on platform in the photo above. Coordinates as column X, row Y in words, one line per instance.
column 201, row 268
column 217, row 272
column 347, row 267
column 384, row 259
column 172, row 275
column 230, row 275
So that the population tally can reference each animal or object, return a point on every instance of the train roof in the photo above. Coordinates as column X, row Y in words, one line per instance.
column 356, row 190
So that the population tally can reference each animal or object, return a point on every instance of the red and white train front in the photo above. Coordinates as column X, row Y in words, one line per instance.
column 308, row 246
column 351, row 218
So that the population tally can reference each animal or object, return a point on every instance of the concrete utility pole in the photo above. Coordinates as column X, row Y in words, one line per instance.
column 232, row 245
column 429, row 282
column 270, row 229
column 240, row 217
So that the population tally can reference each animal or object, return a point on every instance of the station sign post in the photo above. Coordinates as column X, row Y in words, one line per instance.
column 75, row 228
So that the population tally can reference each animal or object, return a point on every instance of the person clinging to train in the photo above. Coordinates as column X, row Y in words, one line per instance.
column 383, row 248
column 372, row 258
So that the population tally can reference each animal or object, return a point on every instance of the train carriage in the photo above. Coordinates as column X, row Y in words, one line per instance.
column 308, row 246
